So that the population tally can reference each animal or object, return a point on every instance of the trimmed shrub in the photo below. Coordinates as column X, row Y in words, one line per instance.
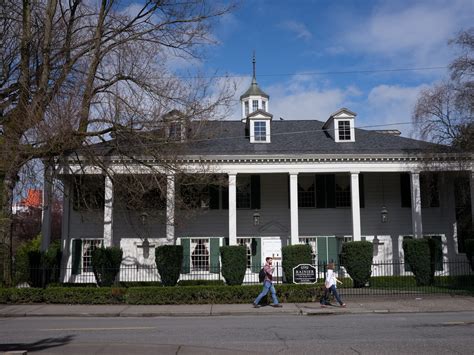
column 469, row 245
column 201, row 283
column 356, row 257
column 418, row 256
column 22, row 261
column 169, row 260
column 234, row 264
column 84, row 295
column 106, row 265
column 219, row 294
column 293, row 255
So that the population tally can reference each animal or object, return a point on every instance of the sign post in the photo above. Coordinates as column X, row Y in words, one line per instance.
column 304, row 274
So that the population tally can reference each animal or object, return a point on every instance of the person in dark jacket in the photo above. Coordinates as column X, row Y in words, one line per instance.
column 268, row 285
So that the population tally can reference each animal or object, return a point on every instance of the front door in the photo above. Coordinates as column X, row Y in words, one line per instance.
column 271, row 246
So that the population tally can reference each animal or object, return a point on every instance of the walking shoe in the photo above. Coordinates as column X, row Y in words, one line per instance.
column 343, row 305
column 323, row 305
column 278, row 305
column 256, row 305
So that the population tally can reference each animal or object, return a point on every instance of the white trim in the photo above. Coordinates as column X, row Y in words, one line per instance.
column 416, row 220
column 294, row 209
column 108, row 211
column 355, row 206
column 232, row 209
column 170, row 208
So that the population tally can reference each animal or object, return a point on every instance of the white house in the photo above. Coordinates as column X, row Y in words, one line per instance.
column 289, row 182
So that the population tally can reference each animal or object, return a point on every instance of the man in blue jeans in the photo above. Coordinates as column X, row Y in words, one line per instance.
column 268, row 285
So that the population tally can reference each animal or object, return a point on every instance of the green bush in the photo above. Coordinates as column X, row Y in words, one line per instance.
column 234, row 264
column 106, row 264
column 22, row 262
column 293, row 255
column 21, row 295
column 169, row 260
column 84, row 295
column 356, row 257
column 469, row 245
column 201, row 283
column 418, row 256
column 219, row 294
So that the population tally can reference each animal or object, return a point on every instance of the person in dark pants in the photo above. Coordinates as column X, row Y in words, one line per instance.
column 330, row 287
column 268, row 285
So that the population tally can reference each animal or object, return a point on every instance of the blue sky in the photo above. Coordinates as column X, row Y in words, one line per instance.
column 337, row 41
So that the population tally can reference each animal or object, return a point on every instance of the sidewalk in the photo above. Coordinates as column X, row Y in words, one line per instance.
column 380, row 304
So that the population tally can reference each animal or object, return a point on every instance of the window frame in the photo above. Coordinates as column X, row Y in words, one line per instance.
column 193, row 243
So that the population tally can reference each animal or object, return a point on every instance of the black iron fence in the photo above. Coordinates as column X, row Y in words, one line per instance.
column 390, row 277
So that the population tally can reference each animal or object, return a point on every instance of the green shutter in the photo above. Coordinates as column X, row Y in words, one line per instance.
column 322, row 251
column 225, row 197
column 214, row 266
column 405, row 190
column 76, row 256
column 320, row 191
column 361, row 191
column 213, row 197
column 186, row 243
column 332, row 250
column 438, row 253
column 255, row 192
column 331, row 190
column 257, row 258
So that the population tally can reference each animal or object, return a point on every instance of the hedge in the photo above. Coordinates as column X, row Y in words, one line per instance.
column 469, row 245
column 106, row 264
column 158, row 295
column 418, row 256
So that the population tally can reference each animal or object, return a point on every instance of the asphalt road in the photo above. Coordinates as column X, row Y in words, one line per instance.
column 415, row 333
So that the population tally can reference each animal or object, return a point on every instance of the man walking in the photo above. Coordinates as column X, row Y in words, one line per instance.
column 268, row 285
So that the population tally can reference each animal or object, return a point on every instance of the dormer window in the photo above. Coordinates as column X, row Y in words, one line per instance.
column 246, row 104
column 344, row 128
column 340, row 125
column 260, row 131
column 175, row 131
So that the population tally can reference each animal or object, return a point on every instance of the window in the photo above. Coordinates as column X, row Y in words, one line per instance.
column 243, row 192
column 248, row 191
column 200, row 254
column 247, row 243
column 312, row 242
column 88, row 192
column 344, row 130
column 246, row 105
column 429, row 190
column 254, row 105
column 264, row 105
column 260, row 131
column 88, row 246
column 175, row 131
column 343, row 191
column 306, row 191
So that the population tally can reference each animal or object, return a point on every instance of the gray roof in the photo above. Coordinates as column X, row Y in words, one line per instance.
column 254, row 90
column 300, row 137
column 289, row 137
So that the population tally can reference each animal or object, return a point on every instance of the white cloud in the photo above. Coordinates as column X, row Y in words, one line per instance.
column 388, row 105
column 298, row 28
column 418, row 33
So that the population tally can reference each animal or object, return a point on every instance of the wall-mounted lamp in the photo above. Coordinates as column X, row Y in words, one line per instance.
column 256, row 218
column 144, row 218
column 384, row 214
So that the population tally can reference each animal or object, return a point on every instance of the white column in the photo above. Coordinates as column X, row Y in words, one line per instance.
column 46, row 207
column 472, row 197
column 108, row 211
column 356, row 234
column 170, row 207
column 416, row 223
column 294, row 209
column 232, row 209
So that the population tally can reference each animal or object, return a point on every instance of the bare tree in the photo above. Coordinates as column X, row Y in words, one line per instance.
column 445, row 113
column 75, row 72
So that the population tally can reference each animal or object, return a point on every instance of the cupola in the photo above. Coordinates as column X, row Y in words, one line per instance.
column 254, row 98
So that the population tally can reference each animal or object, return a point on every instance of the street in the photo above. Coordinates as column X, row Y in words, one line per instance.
column 420, row 333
